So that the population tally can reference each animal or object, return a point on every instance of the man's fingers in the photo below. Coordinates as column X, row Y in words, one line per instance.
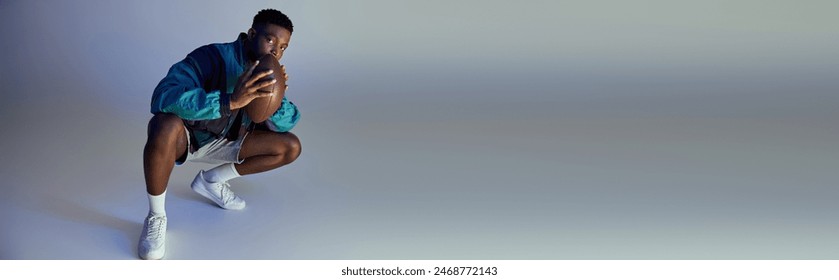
column 248, row 73
column 250, row 70
column 260, row 94
column 285, row 74
column 259, row 76
column 266, row 83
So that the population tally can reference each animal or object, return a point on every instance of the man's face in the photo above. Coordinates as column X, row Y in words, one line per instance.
column 268, row 39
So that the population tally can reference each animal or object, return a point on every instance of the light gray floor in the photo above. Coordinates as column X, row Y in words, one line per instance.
column 571, row 130
column 537, row 189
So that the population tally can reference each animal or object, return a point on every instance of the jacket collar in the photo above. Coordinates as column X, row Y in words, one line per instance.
column 240, row 50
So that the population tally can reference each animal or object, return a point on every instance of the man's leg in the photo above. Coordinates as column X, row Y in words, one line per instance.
column 166, row 142
column 267, row 150
column 260, row 151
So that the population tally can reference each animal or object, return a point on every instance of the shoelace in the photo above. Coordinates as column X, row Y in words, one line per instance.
column 226, row 194
column 154, row 230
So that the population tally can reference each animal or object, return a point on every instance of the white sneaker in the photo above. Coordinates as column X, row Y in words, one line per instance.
column 153, row 239
column 218, row 192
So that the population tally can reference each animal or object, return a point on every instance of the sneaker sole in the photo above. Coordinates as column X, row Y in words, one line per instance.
column 155, row 256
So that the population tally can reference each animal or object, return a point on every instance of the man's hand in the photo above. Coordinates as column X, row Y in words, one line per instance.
column 247, row 88
column 284, row 80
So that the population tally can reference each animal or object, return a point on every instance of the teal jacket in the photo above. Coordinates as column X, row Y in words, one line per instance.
column 197, row 89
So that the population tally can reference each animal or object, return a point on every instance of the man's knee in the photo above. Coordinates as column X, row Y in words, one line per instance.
column 166, row 129
column 286, row 147
column 165, row 124
column 293, row 148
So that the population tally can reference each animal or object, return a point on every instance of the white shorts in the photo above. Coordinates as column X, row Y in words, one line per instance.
column 218, row 151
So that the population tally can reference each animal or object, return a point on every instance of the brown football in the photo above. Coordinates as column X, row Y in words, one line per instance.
column 260, row 109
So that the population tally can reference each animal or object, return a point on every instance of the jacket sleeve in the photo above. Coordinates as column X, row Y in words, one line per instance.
column 182, row 93
column 285, row 118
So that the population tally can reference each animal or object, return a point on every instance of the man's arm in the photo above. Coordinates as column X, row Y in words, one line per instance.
column 182, row 93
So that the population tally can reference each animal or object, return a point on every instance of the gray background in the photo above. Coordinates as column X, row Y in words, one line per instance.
column 443, row 130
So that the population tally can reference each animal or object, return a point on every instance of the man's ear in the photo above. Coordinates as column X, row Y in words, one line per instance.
column 251, row 33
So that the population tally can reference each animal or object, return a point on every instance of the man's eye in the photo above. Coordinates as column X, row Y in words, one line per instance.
column 282, row 48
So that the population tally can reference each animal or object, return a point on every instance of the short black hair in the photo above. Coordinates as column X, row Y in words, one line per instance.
column 273, row 17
